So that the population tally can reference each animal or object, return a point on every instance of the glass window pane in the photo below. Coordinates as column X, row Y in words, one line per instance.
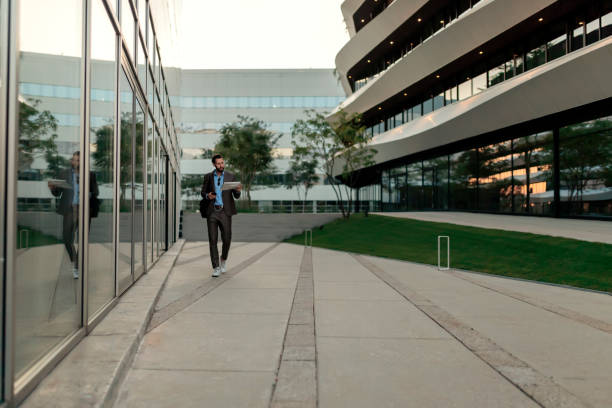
column 101, row 256
column 556, row 47
column 124, row 266
column 139, row 163
column 417, row 111
column 463, row 180
column 150, row 41
column 427, row 106
column 150, row 178
column 438, row 101
column 141, row 62
column 495, row 177
column 532, row 173
column 519, row 64
column 592, row 31
column 414, row 186
column 465, row 89
column 535, row 58
column 509, row 66
column 606, row 25
column 578, row 36
column 47, row 279
column 479, row 83
column 497, row 75
column 435, row 183
column 128, row 26
column 585, row 167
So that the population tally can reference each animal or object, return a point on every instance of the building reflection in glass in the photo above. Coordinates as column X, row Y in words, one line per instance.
column 47, row 275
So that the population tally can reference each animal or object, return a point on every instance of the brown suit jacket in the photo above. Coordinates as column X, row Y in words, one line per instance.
column 207, row 206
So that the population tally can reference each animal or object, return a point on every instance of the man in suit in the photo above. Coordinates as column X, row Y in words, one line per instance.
column 218, row 207
column 68, row 206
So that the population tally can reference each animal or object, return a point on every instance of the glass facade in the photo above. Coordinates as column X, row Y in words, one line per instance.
column 516, row 175
column 522, row 56
column 79, row 148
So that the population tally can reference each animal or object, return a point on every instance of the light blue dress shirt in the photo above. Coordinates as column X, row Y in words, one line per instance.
column 75, row 188
column 218, row 185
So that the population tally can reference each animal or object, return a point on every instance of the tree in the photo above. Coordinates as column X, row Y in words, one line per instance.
column 343, row 143
column 246, row 146
column 37, row 138
column 302, row 171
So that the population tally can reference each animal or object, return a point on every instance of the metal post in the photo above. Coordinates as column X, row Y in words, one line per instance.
column 306, row 237
column 440, row 268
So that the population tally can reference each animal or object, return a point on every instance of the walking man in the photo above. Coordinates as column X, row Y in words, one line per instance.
column 218, row 206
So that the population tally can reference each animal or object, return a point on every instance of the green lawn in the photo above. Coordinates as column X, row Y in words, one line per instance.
column 529, row 256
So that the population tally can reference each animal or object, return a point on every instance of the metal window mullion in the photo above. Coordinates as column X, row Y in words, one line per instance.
column 84, row 159
column 9, row 125
column 117, row 162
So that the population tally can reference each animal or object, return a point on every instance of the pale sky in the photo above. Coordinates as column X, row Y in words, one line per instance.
column 235, row 34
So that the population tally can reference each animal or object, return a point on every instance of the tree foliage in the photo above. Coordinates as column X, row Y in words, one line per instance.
column 342, row 143
column 302, row 173
column 37, row 138
column 246, row 145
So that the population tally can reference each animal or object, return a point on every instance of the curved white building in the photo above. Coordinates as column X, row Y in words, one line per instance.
column 483, row 105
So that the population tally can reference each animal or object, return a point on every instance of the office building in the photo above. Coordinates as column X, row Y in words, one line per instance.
column 209, row 99
column 90, row 177
column 483, row 105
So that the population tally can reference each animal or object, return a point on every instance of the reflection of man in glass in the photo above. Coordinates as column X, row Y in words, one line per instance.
column 67, row 188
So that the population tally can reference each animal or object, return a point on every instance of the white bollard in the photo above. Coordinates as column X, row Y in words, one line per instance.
column 306, row 237
column 440, row 237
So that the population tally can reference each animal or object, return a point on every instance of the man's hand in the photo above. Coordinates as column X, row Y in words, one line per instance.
column 239, row 188
column 211, row 196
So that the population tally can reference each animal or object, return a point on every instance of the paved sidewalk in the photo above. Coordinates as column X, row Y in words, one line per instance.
column 585, row 230
column 383, row 333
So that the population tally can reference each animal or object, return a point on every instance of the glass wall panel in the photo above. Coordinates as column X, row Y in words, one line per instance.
column 479, row 83
column 47, row 278
column 495, row 177
column 606, row 25
column 533, row 174
column 535, row 57
column 149, row 189
column 139, row 186
column 101, row 256
column 141, row 62
column 417, row 111
column 162, row 200
column 124, row 265
column 414, row 186
column 435, row 183
column 519, row 64
column 592, row 31
column 509, row 69
column 497, row 75
column 463, row 180
column 386, row 196
column 128, row 26
column 585, row 167
column 465, row 89
column 438, row 101
column 557, row 47
column 427, row 106
column 578, row 36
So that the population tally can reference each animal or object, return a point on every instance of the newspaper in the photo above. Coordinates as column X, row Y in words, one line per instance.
column 230, row 185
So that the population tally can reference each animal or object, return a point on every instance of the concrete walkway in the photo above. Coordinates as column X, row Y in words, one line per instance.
column 295, row 327
column 585, row 230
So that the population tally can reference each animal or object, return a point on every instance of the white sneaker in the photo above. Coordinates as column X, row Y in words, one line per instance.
column 222, row 267
column 75, row 273
column 216, row 272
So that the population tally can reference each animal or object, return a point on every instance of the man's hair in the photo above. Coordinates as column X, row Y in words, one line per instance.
column 215, row 157
column 77, row 153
